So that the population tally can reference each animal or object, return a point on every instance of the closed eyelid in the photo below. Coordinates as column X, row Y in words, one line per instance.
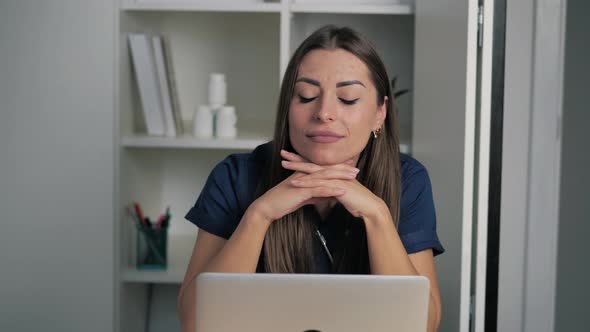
column 306, row 100
column 346, row 101
column 349, row 101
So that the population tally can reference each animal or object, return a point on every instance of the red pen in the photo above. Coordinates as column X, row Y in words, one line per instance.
column 132, row 212
column 140, row 214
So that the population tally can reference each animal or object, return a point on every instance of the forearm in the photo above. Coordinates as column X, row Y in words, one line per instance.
column 387, row 256
column 240, row 253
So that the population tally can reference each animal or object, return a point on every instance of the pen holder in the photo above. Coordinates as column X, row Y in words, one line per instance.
column 151, row 248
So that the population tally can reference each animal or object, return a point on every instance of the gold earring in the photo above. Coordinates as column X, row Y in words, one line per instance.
column 376, row 132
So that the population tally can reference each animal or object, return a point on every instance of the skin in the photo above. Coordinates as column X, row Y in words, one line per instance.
column 333, row 92
column 324, row 173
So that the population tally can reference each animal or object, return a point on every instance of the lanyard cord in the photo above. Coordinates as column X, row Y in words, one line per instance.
column 323, row 241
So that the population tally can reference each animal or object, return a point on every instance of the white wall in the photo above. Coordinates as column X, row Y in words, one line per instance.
column 572, row 290
column 56, row 165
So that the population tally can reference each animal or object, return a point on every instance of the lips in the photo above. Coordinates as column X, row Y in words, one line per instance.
column 324, row 136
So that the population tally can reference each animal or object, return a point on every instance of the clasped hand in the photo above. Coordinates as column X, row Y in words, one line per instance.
column 313, row 184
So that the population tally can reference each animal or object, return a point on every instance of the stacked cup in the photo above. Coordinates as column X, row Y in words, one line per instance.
column 217, row 118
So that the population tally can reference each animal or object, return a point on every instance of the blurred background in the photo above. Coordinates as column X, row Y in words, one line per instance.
column 104, row 104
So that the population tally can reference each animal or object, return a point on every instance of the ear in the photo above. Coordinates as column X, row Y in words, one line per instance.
column 381, row 113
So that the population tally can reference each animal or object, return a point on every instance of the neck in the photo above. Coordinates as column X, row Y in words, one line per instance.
column 323, row 208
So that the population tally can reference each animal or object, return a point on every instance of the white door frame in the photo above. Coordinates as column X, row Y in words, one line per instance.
column 530, row 180
column 483, row 172
column 545, row 158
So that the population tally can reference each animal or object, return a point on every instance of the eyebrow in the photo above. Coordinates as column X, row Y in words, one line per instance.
column 338, row 85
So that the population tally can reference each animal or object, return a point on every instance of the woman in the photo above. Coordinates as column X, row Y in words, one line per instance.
column 331, row 193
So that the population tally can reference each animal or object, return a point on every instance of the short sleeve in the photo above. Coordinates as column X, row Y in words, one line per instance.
column 217, row 209
column 417, row 224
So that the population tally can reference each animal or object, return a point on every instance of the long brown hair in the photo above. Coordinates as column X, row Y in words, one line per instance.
column 290, row 242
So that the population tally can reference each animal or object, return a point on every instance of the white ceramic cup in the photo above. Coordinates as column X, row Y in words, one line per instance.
column 203, row 122
column 225, row 122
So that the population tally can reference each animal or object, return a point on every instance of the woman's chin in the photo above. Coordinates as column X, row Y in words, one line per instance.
column 325, row 158
column 325, row 154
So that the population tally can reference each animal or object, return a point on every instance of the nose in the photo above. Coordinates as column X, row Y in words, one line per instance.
column 326, row 111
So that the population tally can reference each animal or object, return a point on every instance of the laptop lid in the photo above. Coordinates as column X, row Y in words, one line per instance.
column 231, row 302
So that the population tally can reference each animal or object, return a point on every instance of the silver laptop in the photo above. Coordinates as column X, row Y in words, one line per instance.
column 228, row 302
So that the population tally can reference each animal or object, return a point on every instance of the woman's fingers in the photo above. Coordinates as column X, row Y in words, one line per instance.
column 325, row 191
column 301, row 166
column 296, row 175
column 312, row 168
column 328, row 174
column 285, row 198
column 312, row 183
column 292, row 156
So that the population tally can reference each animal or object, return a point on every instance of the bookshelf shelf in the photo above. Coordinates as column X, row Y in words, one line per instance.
column 352, row 9
column 189, row 142
column 211, row 6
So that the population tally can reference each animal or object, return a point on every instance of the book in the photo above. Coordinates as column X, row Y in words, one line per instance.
column 147, row 83
column 170, row 126
column 172, row 86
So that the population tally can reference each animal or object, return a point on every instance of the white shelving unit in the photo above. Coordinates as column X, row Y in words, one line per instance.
column 251, row 42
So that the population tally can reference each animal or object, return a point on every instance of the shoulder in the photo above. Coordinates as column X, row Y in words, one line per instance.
column 237, row 164
column 239, row 173
column 417, row 223
column 412, row 170
column 415, row 183
column 228, row 191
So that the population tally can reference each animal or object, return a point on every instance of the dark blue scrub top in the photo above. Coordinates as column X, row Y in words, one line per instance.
column 231, row 188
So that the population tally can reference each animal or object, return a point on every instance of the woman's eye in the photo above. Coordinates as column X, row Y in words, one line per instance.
column 306, row 100
column 349, row 102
